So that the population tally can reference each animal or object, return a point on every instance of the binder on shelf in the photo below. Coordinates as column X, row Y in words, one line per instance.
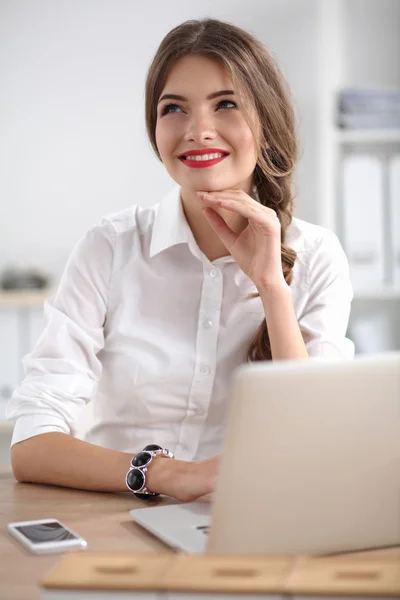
column 363, row 219
column 394, row 194
column 369, row 108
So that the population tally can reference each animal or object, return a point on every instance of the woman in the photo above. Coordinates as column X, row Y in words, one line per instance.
column 158, row 306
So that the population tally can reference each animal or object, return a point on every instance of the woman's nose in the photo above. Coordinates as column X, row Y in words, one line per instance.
column 200, row 128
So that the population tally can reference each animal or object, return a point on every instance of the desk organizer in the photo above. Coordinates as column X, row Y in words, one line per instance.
column 116, row 576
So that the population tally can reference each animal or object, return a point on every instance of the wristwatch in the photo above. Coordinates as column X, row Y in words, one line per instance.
column 136, row 476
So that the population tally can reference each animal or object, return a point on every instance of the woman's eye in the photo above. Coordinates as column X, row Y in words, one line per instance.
column 170, row 108
column 226, row 104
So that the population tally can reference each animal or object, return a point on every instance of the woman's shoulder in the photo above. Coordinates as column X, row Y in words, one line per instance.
column 134, row 219
column 124, row 229
column 304, row 236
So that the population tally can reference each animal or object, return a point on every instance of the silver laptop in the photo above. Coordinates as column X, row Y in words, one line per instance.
column 310, row 464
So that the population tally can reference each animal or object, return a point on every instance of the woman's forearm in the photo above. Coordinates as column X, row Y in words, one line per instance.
column 60, row 459
column 283, row 329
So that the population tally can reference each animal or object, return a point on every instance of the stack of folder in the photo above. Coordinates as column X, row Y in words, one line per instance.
column 369, row 108
column 370, row 207
column 114, row 576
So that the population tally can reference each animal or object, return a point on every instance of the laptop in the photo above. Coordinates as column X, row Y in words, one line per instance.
column 310, row 464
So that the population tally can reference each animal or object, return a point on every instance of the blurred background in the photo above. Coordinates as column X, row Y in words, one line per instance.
column 73, row 145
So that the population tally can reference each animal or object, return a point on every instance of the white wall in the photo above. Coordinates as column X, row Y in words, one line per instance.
column 72, row 138
column 372, row 43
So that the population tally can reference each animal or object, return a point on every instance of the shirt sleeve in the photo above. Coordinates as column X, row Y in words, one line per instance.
column 62, row 371
column 325, row 317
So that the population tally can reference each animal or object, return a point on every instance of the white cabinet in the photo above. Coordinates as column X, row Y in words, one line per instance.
column 347, row 30
column 374, row 324
column 21, row 322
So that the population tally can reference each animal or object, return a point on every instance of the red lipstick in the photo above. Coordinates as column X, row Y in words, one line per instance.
column 201, row 164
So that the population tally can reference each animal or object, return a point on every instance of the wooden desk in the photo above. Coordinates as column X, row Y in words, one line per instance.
column 102, row 519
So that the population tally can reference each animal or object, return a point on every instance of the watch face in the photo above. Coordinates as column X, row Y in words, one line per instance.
column 135, row 480
column 141, row 459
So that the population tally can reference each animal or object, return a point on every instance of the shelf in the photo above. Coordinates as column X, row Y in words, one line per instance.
column 378, row 294
column 6, row 426
column 24, row 298
column 367, row 136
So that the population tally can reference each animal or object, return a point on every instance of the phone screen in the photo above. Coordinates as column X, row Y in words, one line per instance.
column 46, row 532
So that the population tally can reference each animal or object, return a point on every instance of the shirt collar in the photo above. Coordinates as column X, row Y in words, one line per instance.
column 171, row 228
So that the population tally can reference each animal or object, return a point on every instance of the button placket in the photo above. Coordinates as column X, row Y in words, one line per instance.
column 206, row 355
column 208, row 323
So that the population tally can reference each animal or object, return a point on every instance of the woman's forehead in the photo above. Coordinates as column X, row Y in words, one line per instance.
column 197, row 73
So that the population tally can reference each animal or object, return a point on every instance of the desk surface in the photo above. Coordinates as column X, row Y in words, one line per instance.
column 102, row 519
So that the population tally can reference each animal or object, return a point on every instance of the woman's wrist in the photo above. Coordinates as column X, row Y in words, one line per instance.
column 165, row 476
column 269, row 290
column 183, row 480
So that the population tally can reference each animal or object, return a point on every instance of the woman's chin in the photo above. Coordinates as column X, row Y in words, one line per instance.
column 210, row 184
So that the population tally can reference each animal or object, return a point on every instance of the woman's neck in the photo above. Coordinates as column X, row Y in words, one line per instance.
column 207, row 240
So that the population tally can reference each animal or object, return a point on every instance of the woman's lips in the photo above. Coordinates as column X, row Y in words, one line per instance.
column 202, row 164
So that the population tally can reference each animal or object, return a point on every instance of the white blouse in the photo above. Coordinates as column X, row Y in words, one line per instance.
column 149, row 331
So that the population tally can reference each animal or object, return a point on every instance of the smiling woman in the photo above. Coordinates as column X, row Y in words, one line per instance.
column 158, row 306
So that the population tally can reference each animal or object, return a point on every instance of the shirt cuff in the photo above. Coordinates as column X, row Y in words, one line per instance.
column 27, row 426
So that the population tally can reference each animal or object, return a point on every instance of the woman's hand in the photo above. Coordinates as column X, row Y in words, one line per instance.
column 183, row 480
column 257, row 249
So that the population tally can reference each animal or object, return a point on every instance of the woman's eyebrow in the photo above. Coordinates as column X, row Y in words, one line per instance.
column 210, row 97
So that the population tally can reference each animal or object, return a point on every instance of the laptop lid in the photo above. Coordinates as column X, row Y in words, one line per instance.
column 311, row 459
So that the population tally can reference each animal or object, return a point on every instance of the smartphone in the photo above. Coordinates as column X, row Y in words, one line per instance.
column 46, row 536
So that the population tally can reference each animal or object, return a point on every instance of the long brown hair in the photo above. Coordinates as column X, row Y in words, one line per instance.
column 258, row 81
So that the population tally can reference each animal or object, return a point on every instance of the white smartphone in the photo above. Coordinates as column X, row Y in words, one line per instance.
column 46, row 536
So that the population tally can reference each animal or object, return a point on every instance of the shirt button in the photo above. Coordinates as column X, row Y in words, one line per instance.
column 207, row 324
column 205, row 370
column 213, row 273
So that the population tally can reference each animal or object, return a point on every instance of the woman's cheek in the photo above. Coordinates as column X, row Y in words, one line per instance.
column 161, row 142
